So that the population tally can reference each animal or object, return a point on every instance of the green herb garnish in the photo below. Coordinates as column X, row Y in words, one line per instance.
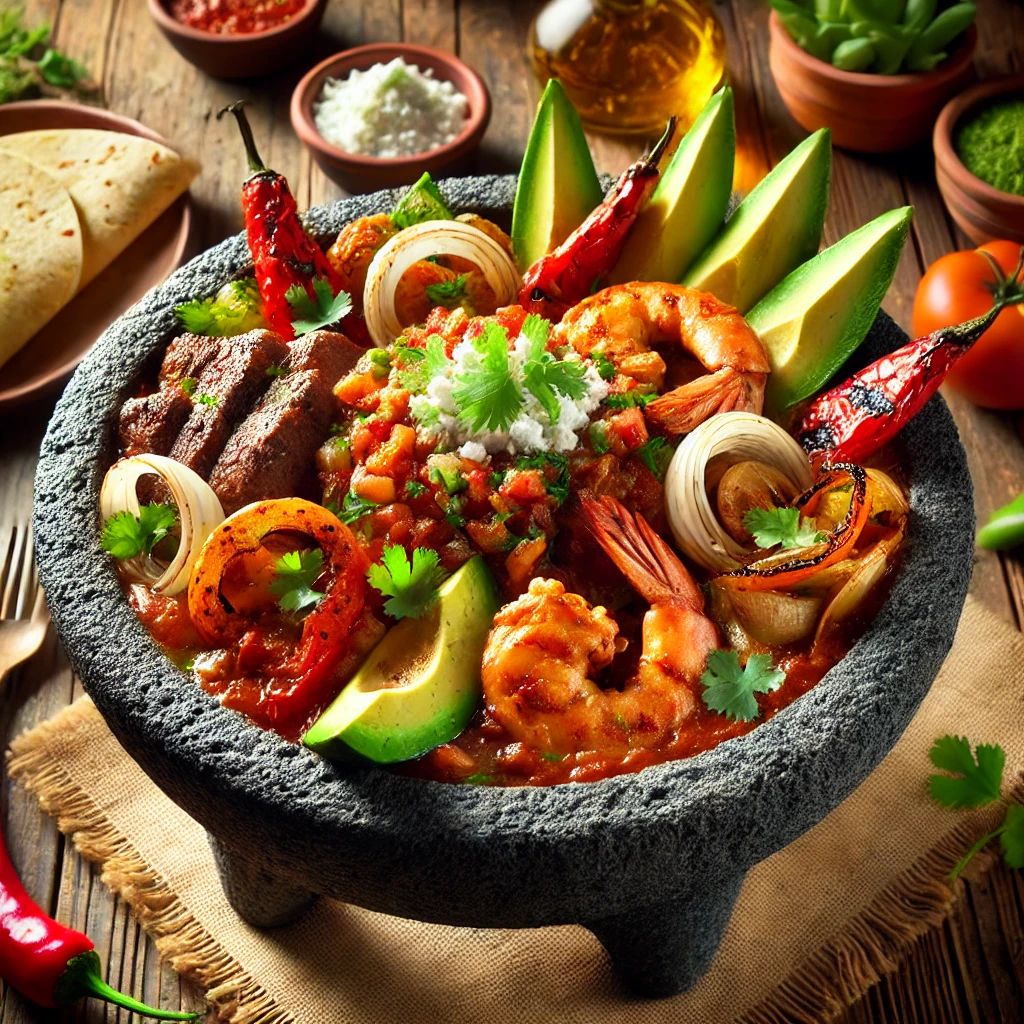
column 354, row 508
column 275, row 371
column 322, row 309
column 211, row 400
column 188, row 385
column 126, row 536
column 656, row 454
column 417, row 367
column 559, row 488
column 782, row 527
column 414, row 489
column 628, row 399
column 729, row 688
column 449, row 294
column 422, row 202
column 410, row 586
column 605, row 367
column 295, row 572
column 489, row 397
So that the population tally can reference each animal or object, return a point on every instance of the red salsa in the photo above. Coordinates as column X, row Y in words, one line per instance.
column 231, row 17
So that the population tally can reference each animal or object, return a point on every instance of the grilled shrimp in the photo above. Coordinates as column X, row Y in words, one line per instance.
column 624, row 321
column 357, row 243
column 546, row 647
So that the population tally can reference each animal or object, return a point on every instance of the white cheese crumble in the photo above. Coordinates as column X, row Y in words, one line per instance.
column 390, row 110
column 531, row 432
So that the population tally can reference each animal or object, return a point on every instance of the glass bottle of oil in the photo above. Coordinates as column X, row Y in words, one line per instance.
column 628, row 65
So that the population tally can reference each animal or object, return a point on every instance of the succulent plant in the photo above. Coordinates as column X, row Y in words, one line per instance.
column 881, row 36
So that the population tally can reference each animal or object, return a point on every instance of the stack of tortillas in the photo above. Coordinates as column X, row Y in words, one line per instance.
column 70, row 202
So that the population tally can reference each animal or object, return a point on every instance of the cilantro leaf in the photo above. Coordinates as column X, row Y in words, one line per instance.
column 448, row 293
column 126, row 536
column 295, row 572
column 417, row 367
column 730, row 688
column 1012, row 838
column 489, row 397
column 782, row 526
column 974, row 780
column 410, row 587
column 656, row 454
column 211, row 400
column 627, row 399
column 188, row 385
column 354, row 508
column 61, row 71
column 322, row 309
column 535, row 329
column 422, row 202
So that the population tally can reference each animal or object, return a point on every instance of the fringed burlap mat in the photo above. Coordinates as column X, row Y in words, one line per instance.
column 815, row 925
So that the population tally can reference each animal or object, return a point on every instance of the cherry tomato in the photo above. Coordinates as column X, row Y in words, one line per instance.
column 953, row 290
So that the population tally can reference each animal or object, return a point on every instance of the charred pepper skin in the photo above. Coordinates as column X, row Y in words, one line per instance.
column 865, row 412
column 49, row 963
column 282, row 252
column 556, row 282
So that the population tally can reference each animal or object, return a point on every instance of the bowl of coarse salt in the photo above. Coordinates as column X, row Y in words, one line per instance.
column 380, row 115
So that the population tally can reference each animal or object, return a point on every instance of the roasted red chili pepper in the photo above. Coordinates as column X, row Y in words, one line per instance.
column 282, row 252
column 556, row 282
column 855, row 419
column 49, row 963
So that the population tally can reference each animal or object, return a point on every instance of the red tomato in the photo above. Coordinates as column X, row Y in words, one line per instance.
column 953, row 290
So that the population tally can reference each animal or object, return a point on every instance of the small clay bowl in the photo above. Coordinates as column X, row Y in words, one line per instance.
column 866, row 113
column 246, row 55
column 359, row 173
column 981, row 211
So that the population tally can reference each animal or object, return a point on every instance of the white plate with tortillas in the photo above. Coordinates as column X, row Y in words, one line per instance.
column 94, row 212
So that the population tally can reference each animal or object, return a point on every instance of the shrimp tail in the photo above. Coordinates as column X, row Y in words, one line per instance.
column 644, row 558
column 726, row 390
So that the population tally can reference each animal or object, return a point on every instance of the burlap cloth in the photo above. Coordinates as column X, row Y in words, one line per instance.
column 814, row 926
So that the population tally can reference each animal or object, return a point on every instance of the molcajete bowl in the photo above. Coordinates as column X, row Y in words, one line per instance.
column 650, row 862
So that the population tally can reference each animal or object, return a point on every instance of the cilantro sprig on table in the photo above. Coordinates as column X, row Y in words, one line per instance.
column 295, row 572
column 729, row 687
column 323, row 309
column 976, row 780
column 782, row 527
column 410, row 587
column 126, row 536
column 20, row 75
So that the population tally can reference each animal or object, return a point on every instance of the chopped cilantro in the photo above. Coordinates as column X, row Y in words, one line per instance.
column 410, row 586
column 422, row 202
column 414, row 489
column 320, row 309
column 188, row 385
column 454, row 519
column 295, row 572
column 605, row 367
column 549, row 756
column 628, row 399
column 599, row 436
column 558, row 488
column 353, row 508
column 496, row 479
column 480, row 779
column 211, row 400
column 275, row 371
column 489, row 397
column 426, row 364
column 126, row 536
column 976, row 780
column 730, row 688
column 536, row 329
column 544, row 376
column 449, row 294
column 781, row 526
column 656, row 453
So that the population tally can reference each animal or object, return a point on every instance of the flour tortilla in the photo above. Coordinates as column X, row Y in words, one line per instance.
column 119, row 184
column 40, row 250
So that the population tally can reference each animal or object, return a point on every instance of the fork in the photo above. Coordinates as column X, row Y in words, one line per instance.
column 23, row 613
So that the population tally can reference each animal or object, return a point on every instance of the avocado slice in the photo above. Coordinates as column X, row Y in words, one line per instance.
column 817, row 316
column 689, row 204
column 775, row 229
column 421, row 684
column 558, row 185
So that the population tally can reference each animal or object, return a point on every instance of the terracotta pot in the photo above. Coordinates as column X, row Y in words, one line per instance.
column 981, row 211
column 359, row 173
column 246, row 55
column 866, row 113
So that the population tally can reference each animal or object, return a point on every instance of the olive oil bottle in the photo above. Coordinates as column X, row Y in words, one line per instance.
column 628, row 65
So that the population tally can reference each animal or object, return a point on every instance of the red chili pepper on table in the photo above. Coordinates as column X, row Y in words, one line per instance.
column 282, row 252
column 556, row 282
column 855, row 419
column 49, row 963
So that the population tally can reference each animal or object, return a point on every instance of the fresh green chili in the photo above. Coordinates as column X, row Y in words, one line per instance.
column 1005, row 528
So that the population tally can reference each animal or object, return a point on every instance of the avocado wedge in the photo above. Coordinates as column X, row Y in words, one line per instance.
column 421, row 684
column 689, row 204
column 775, row 229
column 558, row 185
column 817, row 316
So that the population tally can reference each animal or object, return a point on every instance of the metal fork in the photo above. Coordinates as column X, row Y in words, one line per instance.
column 23, row 613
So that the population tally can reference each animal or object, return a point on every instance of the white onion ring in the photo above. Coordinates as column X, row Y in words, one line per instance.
column 741, row 434
column 431, row 238
column 199, row 512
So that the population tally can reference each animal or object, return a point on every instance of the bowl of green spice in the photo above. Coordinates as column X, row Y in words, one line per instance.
column 979, row 159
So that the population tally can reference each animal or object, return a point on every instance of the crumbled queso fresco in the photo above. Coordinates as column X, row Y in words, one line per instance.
column 531, row 432
column 390, row 110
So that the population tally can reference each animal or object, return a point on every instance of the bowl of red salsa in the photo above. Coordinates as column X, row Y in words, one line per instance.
column 237, row 38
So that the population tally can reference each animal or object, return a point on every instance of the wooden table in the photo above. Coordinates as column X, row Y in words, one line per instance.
column 970, row 970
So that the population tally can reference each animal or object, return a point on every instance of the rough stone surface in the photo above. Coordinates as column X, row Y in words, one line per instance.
column 643, row 844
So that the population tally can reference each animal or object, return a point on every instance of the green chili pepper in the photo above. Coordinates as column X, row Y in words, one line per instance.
column 854, row 55
column 942, row 31
column 1005, row 528
column 919, row 13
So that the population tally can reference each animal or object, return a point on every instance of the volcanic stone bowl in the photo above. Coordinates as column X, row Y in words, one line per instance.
column 651, row 862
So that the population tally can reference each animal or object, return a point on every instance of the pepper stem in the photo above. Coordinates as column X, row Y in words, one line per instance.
column 256, row 165
column 1006, row 290
column 662, row 144
column 82, row 978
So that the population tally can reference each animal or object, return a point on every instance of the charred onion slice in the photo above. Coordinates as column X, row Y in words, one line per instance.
column 788, row 568
column 243, row 532
column 199, row 511
column 431, row 238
